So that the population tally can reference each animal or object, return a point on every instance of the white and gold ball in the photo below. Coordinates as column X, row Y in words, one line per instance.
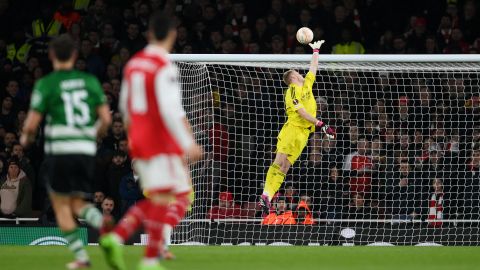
column 304, row 35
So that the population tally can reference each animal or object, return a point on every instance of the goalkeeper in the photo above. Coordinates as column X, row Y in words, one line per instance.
column 301, row 110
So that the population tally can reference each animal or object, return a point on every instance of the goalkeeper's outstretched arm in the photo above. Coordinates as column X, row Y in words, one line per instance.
column 330, row 132
column 316, row 48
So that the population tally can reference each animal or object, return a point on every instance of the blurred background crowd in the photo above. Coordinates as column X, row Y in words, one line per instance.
column 405, row 140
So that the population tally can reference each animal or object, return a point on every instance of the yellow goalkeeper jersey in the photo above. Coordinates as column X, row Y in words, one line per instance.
column 297, row 97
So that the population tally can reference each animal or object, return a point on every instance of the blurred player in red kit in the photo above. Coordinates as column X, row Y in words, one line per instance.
column 161, row 141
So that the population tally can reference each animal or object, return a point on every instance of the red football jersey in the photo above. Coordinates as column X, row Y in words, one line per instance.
column 150, row 101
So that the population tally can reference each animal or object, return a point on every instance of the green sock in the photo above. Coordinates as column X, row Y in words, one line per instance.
column 92, row 216
column 75, row 245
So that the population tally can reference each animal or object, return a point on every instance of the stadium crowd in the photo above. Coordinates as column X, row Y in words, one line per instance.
column 408, row 149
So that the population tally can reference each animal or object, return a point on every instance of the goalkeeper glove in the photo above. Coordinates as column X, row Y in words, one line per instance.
column 316, row 45
column 329, row 131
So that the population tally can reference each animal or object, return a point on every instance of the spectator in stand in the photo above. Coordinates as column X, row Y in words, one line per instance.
column 434, row 163
column 226, row 207
column 8, row 140
column 444, row 32
column 403, row 118
column 304, row 212
column 215, row 45
column 96, row 15
column 238, row 18
column 281, row 216
column 322, row 108
column 357, row 209
column 404, row 145
column 399, row 45
column 134, row 40
column 278, row 45
column 416, row 36
column 456, row 44
column 117, row 169
column 340, row 22
column 347, row 45
column 290, row 195
column 108, row 205
column 13, row 90
column 377, row 152
column 245, row 40
column 183, row 39
column 7, row 118
column 469, row 187
column 349, row 143
column 66, row 15
column 261, row 34
column 15, row 192
column 94, row 63
column 431, row 45
column 358, row 165
column 322, row 152
column 333, row 194
column 211, row 18
column 130, row 191
column 385, row 45
column 108, row 41
column 98, row 197
column 228, row 46
column 117, row 134
column 23, row 162
column 402, row 194
column 436, row 204
column 470, row 21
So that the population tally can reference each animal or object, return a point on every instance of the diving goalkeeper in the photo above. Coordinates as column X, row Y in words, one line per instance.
column 301, row 110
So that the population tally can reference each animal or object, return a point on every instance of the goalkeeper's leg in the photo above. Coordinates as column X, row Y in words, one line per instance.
column 275, row 177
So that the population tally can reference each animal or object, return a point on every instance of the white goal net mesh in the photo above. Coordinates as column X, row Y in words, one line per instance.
column 404, row 168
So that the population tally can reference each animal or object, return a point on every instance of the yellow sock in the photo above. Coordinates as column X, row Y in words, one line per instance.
column 274, row 180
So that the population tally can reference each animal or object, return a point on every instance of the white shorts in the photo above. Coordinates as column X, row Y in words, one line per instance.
column 163, row 173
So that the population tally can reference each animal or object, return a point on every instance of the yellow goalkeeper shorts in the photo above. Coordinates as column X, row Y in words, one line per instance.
column 292, row 140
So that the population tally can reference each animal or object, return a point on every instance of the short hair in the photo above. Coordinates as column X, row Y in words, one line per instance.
column 160, row 25
column 286, row 76
column 63, row 47
column 108, row 198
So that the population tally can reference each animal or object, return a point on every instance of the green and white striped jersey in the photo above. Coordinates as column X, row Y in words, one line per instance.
column 68, row 99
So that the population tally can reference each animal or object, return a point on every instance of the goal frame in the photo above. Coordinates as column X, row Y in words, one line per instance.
column 388, row 58
column 236, row 59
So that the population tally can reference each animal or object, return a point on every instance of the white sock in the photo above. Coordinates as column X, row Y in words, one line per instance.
column 149, row 261
column 167, row 234
column 117, row 238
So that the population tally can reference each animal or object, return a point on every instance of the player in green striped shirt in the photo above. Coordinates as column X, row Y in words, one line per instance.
column 75, row 112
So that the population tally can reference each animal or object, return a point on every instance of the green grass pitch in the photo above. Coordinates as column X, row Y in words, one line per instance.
column 264, row 258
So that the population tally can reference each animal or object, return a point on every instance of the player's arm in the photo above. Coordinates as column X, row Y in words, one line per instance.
column 172, row 112
column 38, row 107
column 330, row 132
column 30, row 127
column 102, row 108
column 104, row 120
column 316, row 48
column 122, row 103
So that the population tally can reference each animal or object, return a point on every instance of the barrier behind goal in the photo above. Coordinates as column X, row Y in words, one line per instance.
column 403, row 170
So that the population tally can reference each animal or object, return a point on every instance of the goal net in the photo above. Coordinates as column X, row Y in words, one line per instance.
column 403, row 170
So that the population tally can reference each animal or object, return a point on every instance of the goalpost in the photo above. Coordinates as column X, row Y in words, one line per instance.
column 403, row 170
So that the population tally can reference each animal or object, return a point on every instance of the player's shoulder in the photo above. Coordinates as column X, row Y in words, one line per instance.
column 85, row 75
column 48, row 81
column 148, row 59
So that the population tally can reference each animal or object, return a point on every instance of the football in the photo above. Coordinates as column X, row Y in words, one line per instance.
column 304, row 35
